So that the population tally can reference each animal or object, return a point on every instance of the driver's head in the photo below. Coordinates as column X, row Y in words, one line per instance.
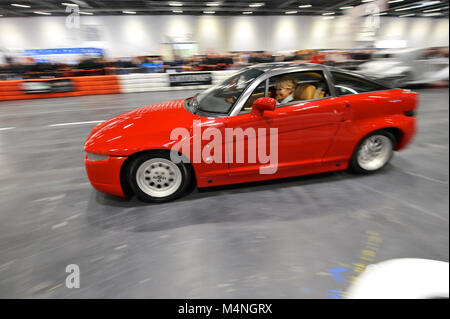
column 285, row 87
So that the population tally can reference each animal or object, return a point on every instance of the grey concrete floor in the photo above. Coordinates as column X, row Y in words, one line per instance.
column 296, row 238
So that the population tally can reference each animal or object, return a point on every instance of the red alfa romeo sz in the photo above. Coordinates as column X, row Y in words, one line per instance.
column 244, row 129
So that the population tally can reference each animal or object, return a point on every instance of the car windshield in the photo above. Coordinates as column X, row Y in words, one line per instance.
column 220, row 98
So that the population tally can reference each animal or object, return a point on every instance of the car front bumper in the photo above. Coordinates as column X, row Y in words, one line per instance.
column 409, row 128
column 104, row 175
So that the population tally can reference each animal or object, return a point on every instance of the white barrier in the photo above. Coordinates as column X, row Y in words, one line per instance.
column 150, row 82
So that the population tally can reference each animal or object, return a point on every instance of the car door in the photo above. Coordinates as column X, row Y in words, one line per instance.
column 302, row 132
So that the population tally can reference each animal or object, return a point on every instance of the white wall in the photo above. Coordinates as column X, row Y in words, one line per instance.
column 136, row 35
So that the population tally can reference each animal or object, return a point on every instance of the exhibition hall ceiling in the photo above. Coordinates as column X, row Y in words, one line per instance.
column 327, row 8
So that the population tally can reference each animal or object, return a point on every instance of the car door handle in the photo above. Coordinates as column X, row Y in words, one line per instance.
column 346, row 116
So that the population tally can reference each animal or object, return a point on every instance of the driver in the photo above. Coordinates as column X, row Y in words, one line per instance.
column 285, row 87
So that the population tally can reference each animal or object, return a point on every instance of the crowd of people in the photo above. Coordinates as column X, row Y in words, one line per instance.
column 27, row 68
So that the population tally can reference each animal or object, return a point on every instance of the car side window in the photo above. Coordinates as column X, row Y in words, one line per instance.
column 343, row 90
column 291, row 88
column 347, row 84
column 260, row 91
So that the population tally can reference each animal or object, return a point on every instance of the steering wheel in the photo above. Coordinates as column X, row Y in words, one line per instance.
column 231, row 99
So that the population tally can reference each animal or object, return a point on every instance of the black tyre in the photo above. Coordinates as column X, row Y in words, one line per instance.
column 154, row 177
column 373, row 152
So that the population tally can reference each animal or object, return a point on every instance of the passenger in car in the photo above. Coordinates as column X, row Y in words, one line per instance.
column 285, row 87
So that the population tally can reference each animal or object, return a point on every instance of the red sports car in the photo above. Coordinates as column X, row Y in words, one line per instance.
column 265, row 122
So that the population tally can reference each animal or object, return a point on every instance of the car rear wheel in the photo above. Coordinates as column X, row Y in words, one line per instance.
column 373, row 152
column 153, row 177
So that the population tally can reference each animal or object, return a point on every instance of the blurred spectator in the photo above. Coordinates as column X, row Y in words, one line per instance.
column 93, row 65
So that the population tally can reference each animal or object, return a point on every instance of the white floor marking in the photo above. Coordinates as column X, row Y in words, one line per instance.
column 59, row 225
column 49, row 198
column 427, row 178
column 75, row 123
column 423, row 210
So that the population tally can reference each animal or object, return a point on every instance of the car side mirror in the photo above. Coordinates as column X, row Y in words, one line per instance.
column 263, row 104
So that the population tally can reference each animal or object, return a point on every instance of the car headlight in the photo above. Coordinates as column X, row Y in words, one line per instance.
column 96, row 157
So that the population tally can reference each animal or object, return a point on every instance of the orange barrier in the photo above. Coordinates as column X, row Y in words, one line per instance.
column 83, row 85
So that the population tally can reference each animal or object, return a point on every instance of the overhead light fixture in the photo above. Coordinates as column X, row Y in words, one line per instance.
column 381, row 14
column 327, row 13
column 129, row 12
column 255, row 5
column 364, row 1
column 20, row 5
column 346, row 8
column 177, row 11
column 175, row 4
column 209, row 12
column 305, row 6
column 394, row 1
column 42, row 13
column 86, row 13
column 432, row 10
column 423, row 4
column 433, row 14
column 407, row 15
column 69, row 4
column 247, row 12
column 291, row 12
column 213, row 4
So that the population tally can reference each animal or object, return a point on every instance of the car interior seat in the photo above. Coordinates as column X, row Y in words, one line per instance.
column 304, row 91
column 248, row 105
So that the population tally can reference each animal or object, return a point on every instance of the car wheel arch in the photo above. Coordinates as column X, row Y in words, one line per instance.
column 395, row 131
column 126, row 165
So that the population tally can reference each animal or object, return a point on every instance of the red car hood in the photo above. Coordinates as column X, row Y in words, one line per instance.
column 144, row 128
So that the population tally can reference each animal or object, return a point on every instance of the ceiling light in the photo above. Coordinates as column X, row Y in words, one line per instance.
column 175, row 4
column 407, row 15
column 423, row 4
column 381, row 14
column 247, row 12
column 86, row 13
column 291, row 12
column 20, row 5
column 43, row 13
column 305, row 6
column 129, row 12
column 432, row 10
column 177, row 11
column 345, row 8
column 213, row 4
column 209, row 12
column 394, row 1
column 434, row 14
column 364, row 1
column 255, row 5
column 327, row 13
column 69, row 4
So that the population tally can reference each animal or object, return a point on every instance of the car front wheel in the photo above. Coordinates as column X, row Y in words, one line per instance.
column 153, row 177
column 373, row 152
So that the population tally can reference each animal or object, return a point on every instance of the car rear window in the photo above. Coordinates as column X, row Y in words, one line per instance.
column 348, row 84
